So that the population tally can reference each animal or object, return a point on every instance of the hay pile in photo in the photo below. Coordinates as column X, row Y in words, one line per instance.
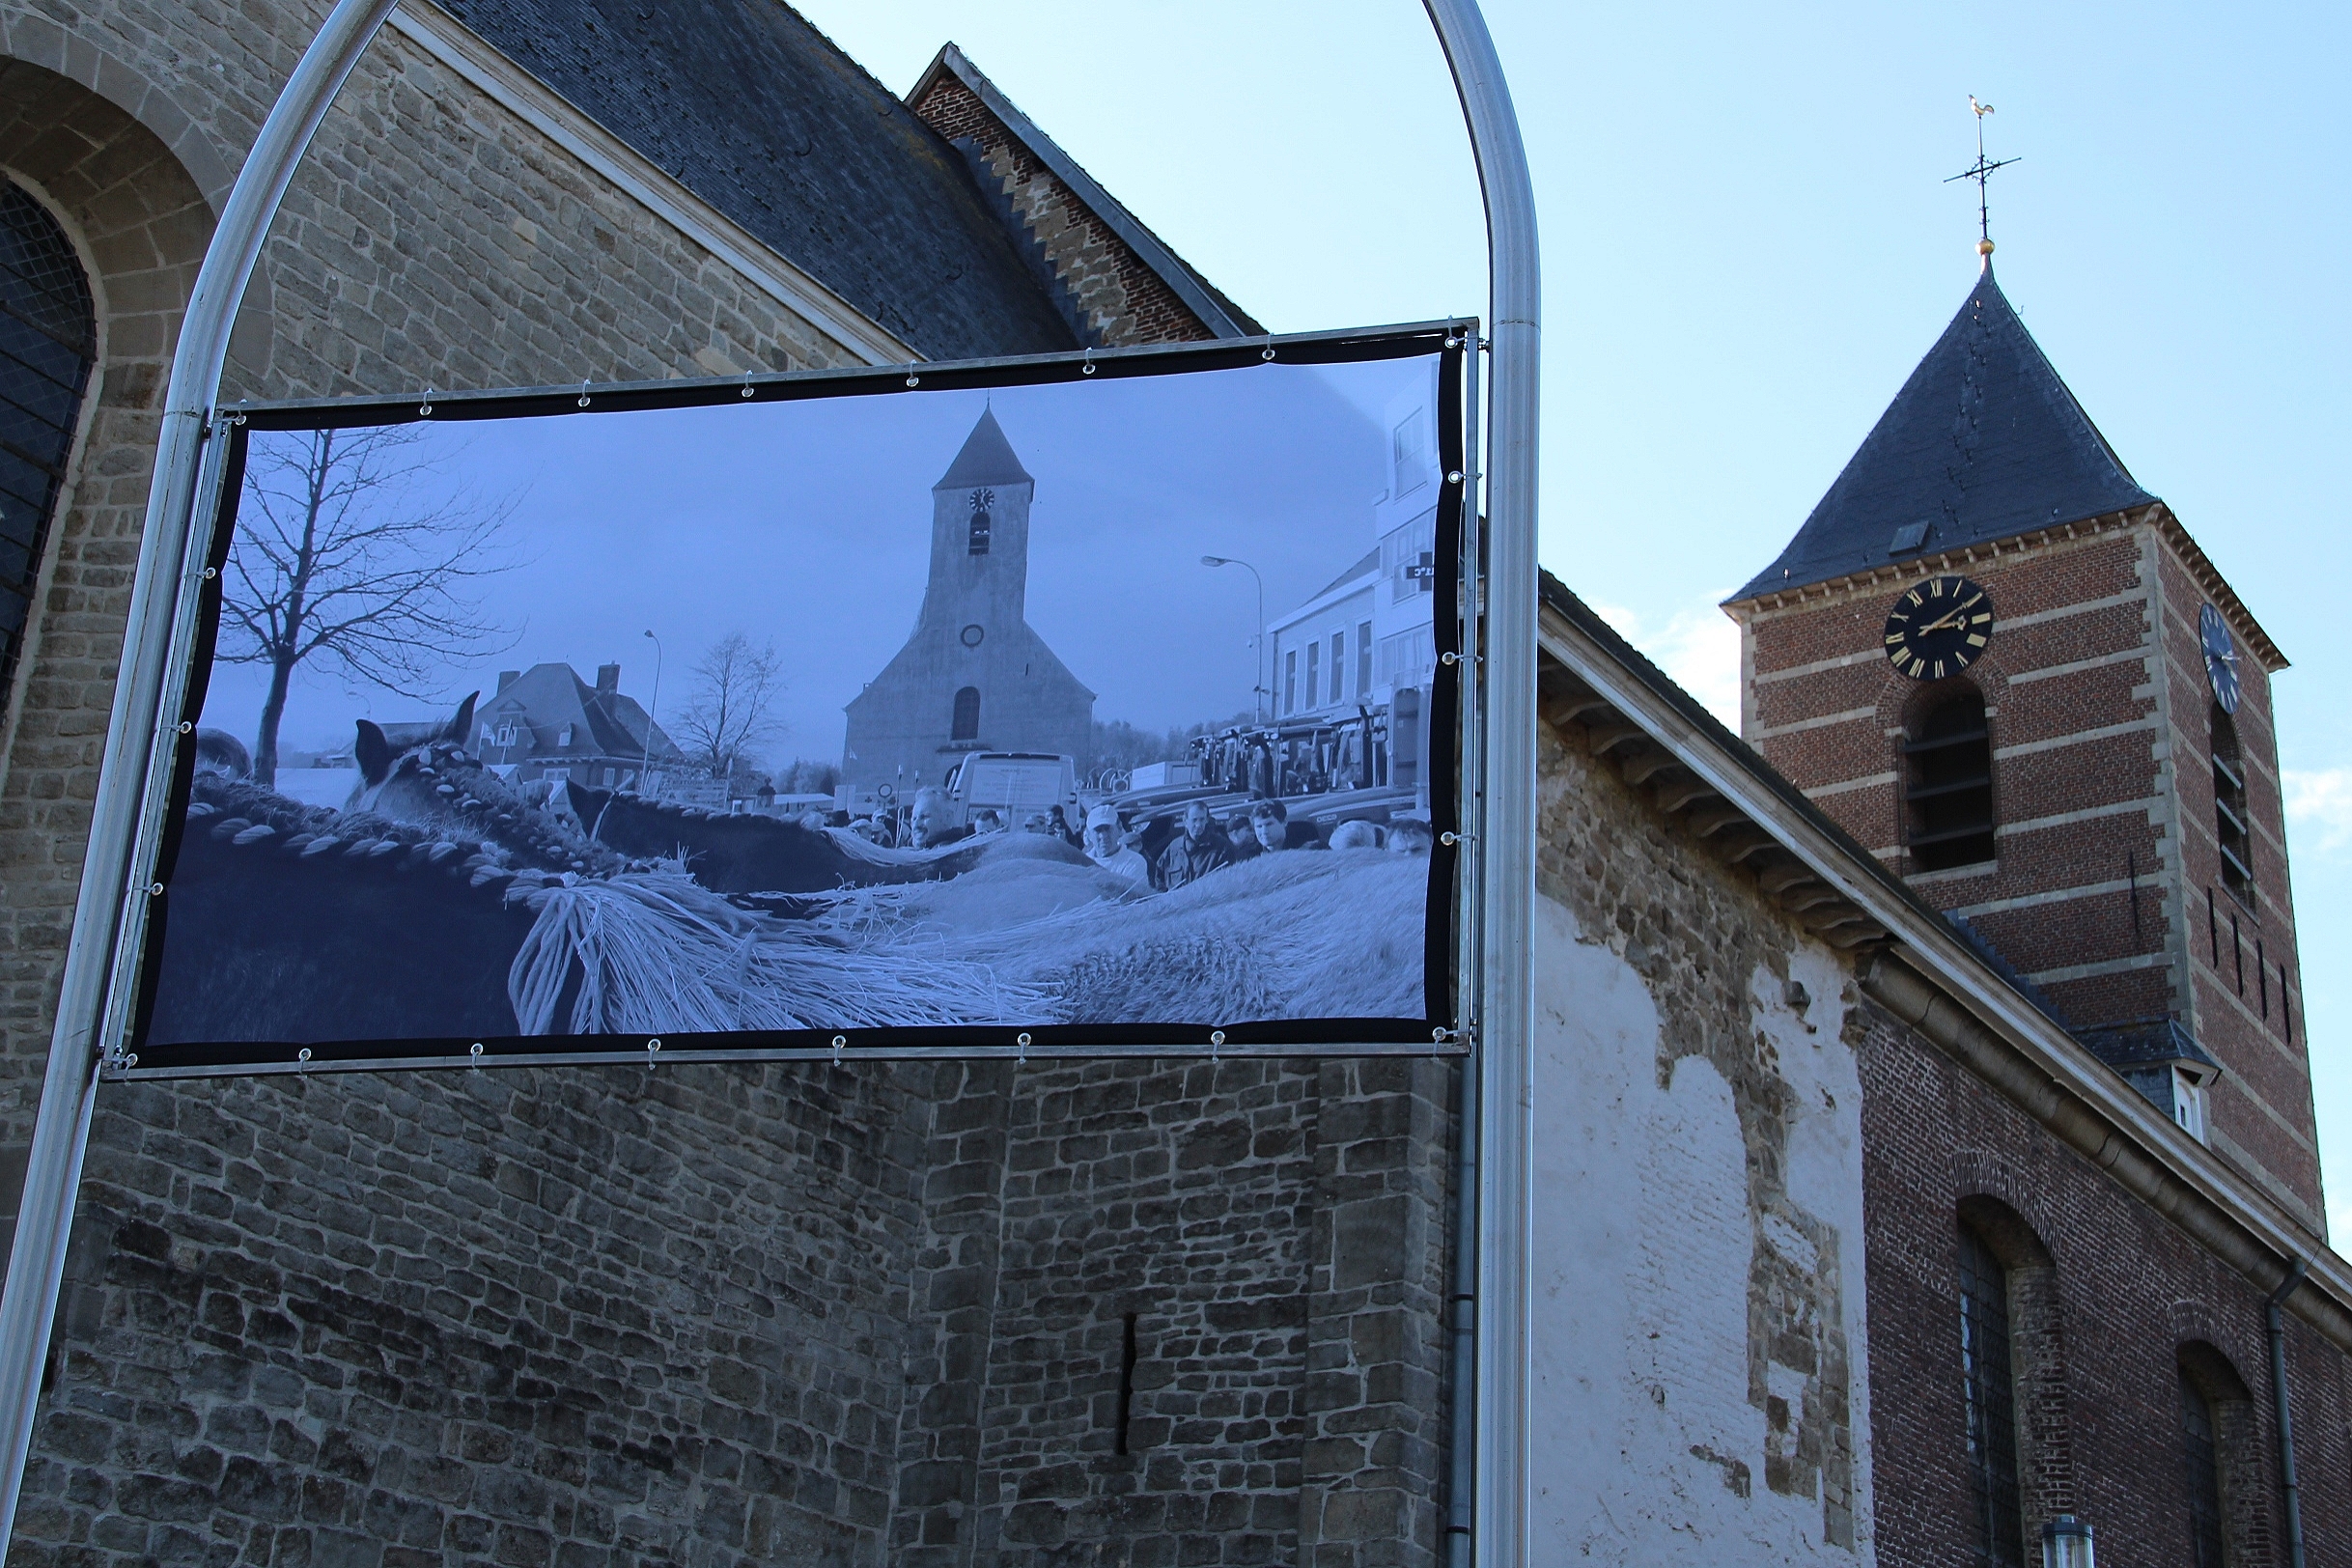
column 1025, row 936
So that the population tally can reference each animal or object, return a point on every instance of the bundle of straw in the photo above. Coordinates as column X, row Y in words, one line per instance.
column 654, row 953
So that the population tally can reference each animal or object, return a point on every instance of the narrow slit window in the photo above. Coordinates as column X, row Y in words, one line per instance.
column 1992, row 1405
column 1948, row 788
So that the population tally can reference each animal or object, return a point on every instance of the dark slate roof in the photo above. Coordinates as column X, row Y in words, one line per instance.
column 759, row 114
column 986, row 459
column 1983, row 443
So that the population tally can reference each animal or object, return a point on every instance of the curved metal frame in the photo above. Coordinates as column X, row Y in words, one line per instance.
column 1497, row 1116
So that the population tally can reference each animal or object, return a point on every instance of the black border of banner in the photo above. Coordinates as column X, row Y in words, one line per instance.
column 1452, row 875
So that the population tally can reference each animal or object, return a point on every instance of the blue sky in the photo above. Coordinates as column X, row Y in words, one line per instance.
column 1749, row 244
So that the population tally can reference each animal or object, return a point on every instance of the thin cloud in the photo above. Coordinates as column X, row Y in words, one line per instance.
column 2319, row 807
column 1698, row 645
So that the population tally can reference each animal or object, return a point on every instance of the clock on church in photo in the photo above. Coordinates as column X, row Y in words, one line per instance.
column 1938, row 627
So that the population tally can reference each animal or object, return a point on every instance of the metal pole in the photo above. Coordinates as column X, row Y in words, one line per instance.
column 1500, row 1520
column 53, row 1166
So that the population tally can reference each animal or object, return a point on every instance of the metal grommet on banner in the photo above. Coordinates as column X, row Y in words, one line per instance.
column 185, row 727
column 839, row 1041
column 476, row 1054
column 1023, row 1041
column 1453, row 341
column 1086, row 367
column 1450, row 839
column 424, row 409
column 1453, row 476
column 1217, row 1042
column 913, row 380
column 746, row 385
column 209, row 573
column 583, row 393
column 653, row 1049
column 154, row 889
column 302, row 1056
column 1267, row 352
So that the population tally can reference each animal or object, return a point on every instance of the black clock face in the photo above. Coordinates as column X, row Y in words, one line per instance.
column 2220, row 656
column 1939, row 628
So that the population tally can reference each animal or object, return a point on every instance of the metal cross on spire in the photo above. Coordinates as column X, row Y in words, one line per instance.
column 1981, row 171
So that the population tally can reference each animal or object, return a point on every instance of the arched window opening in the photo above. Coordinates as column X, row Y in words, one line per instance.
column 1990, row 1381
column 2220, row 1445
column 966, row 725
column 49, row 335
column 2206, row 1543
column 2229, row 813
column 1948, row 784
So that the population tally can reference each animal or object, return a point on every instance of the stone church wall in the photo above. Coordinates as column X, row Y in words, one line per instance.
column 1700, row 1335
column 855, row 1315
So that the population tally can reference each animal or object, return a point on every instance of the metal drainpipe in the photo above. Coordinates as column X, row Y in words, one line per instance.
column 2276, row 1323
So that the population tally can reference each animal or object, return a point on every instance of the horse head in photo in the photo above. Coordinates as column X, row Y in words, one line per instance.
column 423, row 775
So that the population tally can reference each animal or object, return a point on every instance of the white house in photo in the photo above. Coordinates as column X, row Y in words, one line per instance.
column 1367, row 639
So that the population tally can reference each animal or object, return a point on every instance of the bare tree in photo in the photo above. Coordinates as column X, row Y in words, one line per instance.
column 341, row 559
column 733, row 709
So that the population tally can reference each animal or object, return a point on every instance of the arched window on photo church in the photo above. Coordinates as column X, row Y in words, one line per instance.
column 47, row 342
column 966, row 726
column 1948, row 782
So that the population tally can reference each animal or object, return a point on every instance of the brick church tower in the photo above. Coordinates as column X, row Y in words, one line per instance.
column 2008, row 671
column 972, row 676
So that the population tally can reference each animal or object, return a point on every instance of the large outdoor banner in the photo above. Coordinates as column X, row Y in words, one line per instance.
column 1098, row 701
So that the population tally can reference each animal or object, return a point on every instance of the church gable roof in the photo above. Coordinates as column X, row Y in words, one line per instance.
column 986, row 459
column 1984, row 442
column 755, row 111
column 1078, row 236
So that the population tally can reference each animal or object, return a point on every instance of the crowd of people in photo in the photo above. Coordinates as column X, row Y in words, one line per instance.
column 1154, row 851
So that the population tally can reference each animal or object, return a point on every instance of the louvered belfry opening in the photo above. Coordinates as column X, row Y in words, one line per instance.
column 2229, row 814
column 1992, row 1404
column 47, row 342
column 1948, row 783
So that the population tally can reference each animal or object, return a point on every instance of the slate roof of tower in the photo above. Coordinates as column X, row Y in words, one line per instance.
column 759, row 114
column 986, row 459
column 1983, row 443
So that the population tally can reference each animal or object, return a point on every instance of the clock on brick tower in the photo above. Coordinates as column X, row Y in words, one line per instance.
column 2091, row 791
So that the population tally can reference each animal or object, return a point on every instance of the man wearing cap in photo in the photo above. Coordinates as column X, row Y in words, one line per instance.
column 1104, row 849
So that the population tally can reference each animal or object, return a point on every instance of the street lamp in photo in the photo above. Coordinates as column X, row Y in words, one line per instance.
column 645, row 773
column 1258, row 689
